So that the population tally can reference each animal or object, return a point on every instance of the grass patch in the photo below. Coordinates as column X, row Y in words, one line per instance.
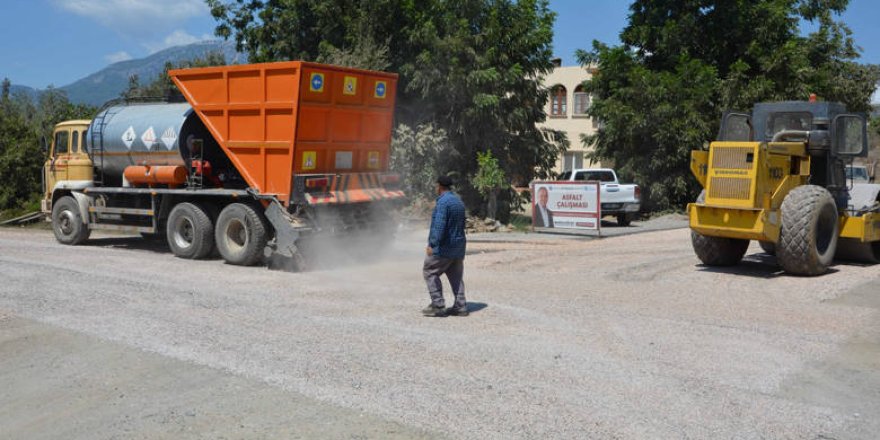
column 521, row 222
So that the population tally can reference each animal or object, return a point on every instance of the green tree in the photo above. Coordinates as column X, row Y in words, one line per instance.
column 472, row 68
column 489, row 180
column 661, row 93
column 22, row 125
column 415, row 153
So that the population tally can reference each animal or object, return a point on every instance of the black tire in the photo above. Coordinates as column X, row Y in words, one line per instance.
column 808, row 239
column 189, row 231
column 717, row 251
column 241, row 234
column 624, row 219
column 768, row 247
column 67, row 222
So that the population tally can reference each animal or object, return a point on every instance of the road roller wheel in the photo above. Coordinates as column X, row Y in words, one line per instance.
column 241, row 234
column 67, row 222
column 808, row 239
column 717, row 251
column 190, row 232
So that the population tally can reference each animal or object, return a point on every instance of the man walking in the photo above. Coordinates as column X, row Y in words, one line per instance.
column 445, row 251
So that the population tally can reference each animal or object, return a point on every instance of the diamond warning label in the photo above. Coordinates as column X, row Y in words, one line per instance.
column 149, row 137
column 128, row 137
column 169, row 137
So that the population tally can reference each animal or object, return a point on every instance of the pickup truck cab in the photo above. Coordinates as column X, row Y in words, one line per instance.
column 857, row 173
column 620, row 200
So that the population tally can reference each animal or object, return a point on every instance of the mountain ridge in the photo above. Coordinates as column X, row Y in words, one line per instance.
column 109, row 82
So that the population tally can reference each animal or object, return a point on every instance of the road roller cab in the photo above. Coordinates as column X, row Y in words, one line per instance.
column 777, row 175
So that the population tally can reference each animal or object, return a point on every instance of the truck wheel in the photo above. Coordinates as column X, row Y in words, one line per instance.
column 241, row 234
column 623, row 219
column 808, row 239
column 67, row 222
column 768, row 247
column 717, row 251
column 189, row 232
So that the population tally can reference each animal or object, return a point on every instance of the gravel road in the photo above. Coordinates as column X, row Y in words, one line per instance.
column 626, row 337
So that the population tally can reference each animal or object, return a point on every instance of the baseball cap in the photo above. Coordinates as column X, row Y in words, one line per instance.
column 445, row 181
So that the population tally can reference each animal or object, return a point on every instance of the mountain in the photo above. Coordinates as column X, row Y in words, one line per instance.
column 109, row 82
column 29, row 91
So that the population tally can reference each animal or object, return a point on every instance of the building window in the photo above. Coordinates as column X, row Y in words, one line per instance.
column 572, row 160
column 581, row 101
column 558, row 104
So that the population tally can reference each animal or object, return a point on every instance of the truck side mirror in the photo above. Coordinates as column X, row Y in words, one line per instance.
column 44, row 145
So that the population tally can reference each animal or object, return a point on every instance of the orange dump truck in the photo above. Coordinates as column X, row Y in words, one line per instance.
column 259, row 155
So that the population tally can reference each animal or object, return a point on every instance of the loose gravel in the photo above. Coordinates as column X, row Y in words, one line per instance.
column 625, row 337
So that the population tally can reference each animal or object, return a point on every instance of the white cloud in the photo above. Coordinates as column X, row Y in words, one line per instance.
column 117, row 57
column 136, row 18
column 176, row 38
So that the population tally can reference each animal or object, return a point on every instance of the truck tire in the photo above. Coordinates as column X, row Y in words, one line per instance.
column 241, row 235
column 808, row 239
column 67, row 222
column 717, row 251
column 768, row 247
column 624, row 219
column 189, row 231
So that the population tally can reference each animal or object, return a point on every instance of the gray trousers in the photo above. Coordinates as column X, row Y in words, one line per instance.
column 454, row 269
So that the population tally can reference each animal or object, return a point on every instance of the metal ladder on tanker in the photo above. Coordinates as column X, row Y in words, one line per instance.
column 96, row 213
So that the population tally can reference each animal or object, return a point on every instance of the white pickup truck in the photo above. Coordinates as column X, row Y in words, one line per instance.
column 617, row 199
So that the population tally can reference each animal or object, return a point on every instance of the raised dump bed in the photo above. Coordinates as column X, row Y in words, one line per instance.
column 277, row 121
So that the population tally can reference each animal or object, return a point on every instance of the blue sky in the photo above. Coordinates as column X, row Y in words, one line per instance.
column 60, row 41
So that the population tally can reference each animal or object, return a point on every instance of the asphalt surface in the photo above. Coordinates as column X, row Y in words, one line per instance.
column 623, row 337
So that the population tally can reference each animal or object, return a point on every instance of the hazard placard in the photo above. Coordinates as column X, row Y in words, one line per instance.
column 373, row 160
column 149, row 137
column 349, row 86
column 310, row 160
column 128, row 137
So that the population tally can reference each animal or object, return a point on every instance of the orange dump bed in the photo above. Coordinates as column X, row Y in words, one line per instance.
column 275, row 120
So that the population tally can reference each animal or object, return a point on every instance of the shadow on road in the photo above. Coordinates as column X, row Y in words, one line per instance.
column 158, row 245
column 473, row 307
column 760, row 265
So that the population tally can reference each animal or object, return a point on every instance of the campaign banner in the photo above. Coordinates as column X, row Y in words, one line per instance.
column 566, row 205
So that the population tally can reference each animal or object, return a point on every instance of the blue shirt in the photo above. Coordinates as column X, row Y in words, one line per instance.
column 447, row 238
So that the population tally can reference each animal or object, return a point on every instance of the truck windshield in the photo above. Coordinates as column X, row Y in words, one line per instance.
column 602, row 176
column 565, row 176
column 857, row 173
column 776, row 122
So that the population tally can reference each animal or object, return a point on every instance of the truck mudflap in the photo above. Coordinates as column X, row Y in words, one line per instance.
column 330, row 189
column 333, row 211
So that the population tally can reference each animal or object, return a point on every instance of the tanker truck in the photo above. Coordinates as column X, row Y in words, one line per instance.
column 259, row 156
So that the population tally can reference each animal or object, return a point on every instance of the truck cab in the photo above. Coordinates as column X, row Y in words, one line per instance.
column 68, row 165
column 622, row 201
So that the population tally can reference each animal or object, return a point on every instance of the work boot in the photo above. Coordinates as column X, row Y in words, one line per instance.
column 435, row 311
column 457, row 311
